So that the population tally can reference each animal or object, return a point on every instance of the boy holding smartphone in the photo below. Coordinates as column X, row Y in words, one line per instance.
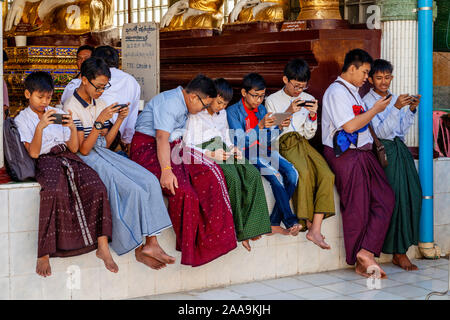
column 313, row 198
column 391, row 126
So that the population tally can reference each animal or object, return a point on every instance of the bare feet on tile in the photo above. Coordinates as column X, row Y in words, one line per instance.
column 279, row 230
column 148, row 261
column 153, row 250
column 43, row 266
column 246, row 245
column 318, row 239
column 403, row 262
column 105, row 255
column 295, row 229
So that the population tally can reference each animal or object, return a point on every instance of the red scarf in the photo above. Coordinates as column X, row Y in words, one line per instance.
column 251, row 121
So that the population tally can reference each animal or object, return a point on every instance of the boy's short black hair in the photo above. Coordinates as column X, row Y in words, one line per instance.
column 93, row 67
column 224, row 89
column 109, row 54
column 356, row 57
column 253, row 81
column 297, row 69
column 39, row 81
column 86, row 47
column 202, row 84
column 381, row 65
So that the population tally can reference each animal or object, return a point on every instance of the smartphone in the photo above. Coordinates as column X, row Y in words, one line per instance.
column 414, row 97
column 58, row 118
column 388, row 96
column 121, row 106
column 306, row 102
column 280, row 117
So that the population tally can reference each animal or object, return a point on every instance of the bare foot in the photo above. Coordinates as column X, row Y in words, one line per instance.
column 317, row 239
column 278, row 229
column 366, row 260
column 359, row 269
column 246, row 245
column 153, row 250
column 105, row 255
column 43, row 266
column 256, row 238
column 403, row 262
column 295, row 229
column 148, row 261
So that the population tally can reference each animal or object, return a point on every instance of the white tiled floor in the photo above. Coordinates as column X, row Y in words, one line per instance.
column 335, row 285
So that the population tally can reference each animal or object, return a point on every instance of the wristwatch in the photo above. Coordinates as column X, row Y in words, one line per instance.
column 98, row 125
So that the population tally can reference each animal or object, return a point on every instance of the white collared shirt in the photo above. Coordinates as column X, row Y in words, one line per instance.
column 53, row 135
column 124, row 88
column 85, row 115
column 69, row 89
column 392, row 122
column 203, row 127
column 337, row 110
column 301, row 123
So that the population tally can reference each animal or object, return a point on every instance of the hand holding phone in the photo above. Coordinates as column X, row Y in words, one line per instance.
column 58, row 118
column 121, row 106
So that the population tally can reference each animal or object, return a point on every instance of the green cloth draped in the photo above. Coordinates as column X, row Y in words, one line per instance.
column 247, row 197
column 402, row 175
column 314, row 193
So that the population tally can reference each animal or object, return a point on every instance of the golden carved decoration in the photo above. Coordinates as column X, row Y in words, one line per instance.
column 319, row 9
column 58, row 17
column 193, row 14
column 260, row 10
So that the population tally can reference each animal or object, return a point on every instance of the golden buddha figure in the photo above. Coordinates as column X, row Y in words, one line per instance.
column 260, row 10
column 62, row 17
column 193, row 14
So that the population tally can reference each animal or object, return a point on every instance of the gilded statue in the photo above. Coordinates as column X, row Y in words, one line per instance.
column 260, row 10
column 63, row 17
column 193, row 14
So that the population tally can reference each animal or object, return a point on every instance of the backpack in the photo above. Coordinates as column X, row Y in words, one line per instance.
column 19, row 165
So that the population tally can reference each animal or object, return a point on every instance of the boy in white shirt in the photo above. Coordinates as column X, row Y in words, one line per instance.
column 313, row 198
column 391, row 126
column 74, row 213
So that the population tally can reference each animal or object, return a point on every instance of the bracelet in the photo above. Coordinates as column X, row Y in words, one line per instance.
column 168, row 167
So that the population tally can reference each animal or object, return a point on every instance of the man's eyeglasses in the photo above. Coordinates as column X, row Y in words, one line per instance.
column 205, row 106
column 257, row 96
column 297, row 87
column 108, row 85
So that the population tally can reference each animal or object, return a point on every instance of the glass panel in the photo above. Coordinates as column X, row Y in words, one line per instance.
column 134, row 4
column 165, row 2
column 141, row 4
column 164, row 10
column 141, row 15
column 120, row 19
column 353, row 14
column 115, row 20
column 149, row 15
column 134, row 16
column 157, row 3
column 157, row 16
column 120, row 5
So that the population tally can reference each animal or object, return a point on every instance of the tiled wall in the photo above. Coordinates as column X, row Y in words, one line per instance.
column 271, row 257
column 442, row 203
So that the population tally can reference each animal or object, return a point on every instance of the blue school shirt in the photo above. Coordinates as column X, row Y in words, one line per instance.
column 392, row 122
column 167, row 111
column 236, row 115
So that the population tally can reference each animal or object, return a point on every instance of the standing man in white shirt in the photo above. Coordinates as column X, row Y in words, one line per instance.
column 367, row 200
column 83, row 53
column 124, row 89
